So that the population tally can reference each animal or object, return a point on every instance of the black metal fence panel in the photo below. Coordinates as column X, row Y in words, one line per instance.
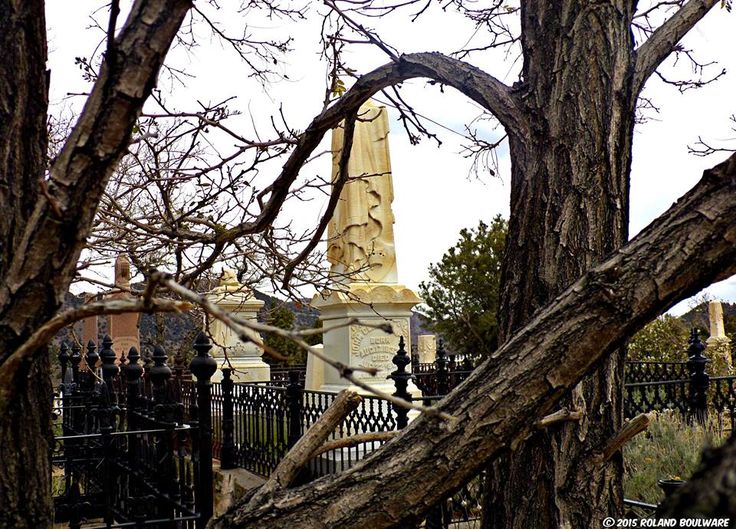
column 123, row 454
column 654, row 371
column 136, row 444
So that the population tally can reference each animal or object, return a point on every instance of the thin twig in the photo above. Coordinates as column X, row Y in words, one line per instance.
column 561, row 415
column 354, row 440
column 345, row 371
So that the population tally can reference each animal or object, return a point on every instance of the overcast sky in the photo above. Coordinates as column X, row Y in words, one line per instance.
column 435, row 195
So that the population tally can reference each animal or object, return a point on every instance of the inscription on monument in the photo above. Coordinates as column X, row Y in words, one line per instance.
column 374, row 348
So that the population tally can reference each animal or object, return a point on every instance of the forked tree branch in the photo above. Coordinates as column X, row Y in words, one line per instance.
column 479, row 86
column 663, row 41
column 498, row 406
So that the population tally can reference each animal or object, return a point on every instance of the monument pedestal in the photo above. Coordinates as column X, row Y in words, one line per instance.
column 719, row 346
column 245, row 358
column 360, row 345
column 426, row 348
column 719, row 351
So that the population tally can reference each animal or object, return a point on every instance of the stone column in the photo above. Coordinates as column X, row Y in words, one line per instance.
column 719, row 346
column 362, row 253
column 426, row 348
column 123, row 328
column 245, row 358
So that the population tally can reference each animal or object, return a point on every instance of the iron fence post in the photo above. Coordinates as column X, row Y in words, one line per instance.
column 401, row 380
column 91, row 358
column 203, row 366
column 75, row 359
column 109, row 369
column 106, row 414
column 227, row 451
column 164, row 412
column 699, row 379
column 442, row 372
column 294, row 393
column 133, row 372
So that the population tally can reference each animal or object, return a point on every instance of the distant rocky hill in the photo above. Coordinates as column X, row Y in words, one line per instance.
column 698, row 317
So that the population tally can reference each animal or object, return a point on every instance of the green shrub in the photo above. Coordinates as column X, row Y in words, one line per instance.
column 669, row 449
column 664, row 339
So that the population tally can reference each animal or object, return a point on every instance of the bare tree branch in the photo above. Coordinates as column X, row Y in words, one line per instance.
column 47, row 247
column 337, row 186
column 664, row 40
column 479, row 86
column 630, row 430
column 561, row 415
column 308, row 445
column 354, row 440
column 46, row 332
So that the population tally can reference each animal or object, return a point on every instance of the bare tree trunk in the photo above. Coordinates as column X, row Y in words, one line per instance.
column 570, row 180
column 25, row 425
column 45, row 216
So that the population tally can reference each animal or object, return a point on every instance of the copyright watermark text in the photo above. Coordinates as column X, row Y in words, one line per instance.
column 666, row 522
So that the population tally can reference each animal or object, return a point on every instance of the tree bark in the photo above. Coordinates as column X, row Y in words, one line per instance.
column 45, row 218
column 570, row 178
column 500, row 404
column 25, row 429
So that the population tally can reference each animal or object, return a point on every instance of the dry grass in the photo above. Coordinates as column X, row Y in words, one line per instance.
column 669, row 449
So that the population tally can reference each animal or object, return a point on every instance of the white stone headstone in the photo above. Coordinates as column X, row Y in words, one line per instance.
column 426, row 348
column 245, row 358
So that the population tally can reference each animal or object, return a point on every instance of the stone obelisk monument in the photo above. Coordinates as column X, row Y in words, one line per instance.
column 123, row 328
column 362, row 255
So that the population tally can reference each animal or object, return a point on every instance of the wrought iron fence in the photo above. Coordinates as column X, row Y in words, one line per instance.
column 123, row 454
column 441, row 376
column 643, row 397
column 694, row 394
column 636, row 371
column 281, row 374
column 258, row 424
column 150, row 416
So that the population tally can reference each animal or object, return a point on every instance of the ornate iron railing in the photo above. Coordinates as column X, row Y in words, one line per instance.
column 635, row 371
column 124, row 456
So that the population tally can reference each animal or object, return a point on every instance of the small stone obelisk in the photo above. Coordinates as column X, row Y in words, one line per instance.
column 123, row 328
column 719, row 346
column 245, row 358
